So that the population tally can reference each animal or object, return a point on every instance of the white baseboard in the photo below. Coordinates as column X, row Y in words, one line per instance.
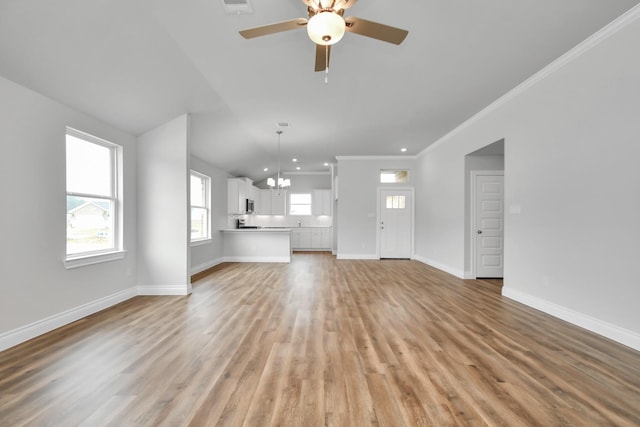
column 206, row 265
column 439, row 266
column 32, row 330
column 608, row 330
column 257, row 259
column 356, row 256
column 148, row 290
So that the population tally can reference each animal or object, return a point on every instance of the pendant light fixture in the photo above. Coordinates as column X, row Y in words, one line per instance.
column 278, row 183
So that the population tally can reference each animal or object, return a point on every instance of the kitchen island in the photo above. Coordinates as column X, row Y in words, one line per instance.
column 257, row 244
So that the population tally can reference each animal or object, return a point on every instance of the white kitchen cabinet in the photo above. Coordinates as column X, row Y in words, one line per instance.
column 316, row 238
column 238, row 191
column 311, row 238
column 271, row 202
column 321, row 202
column 278, row 202
column 304, row 241
column 327, row 238
column 295, row 239
column 264, row 202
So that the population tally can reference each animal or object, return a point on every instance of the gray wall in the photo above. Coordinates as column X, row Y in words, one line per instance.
column 571, row 138
column 34, row 284
column 163, row 206
column 358, row 184
column 206, row 255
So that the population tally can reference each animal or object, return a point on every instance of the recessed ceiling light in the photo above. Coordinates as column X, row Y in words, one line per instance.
column 326, row 164
column 294, row 160
column 403, row 149
column 297, row 168
column 265, row 169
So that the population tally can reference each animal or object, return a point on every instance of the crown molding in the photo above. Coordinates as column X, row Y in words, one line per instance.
column 306, row 173
column 589, row 43
column 405, row 157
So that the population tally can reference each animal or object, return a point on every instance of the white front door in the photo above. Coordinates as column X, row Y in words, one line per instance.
column 489, row 224
column 396, row 212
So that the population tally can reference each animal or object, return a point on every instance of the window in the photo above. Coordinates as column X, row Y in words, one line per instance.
column 395, row 202
column 300, row 204
column 200, row 207
column 394, row 176
column 92, row 195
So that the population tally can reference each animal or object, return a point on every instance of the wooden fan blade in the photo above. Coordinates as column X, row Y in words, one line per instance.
column 375, row 30
column 278, row 27
column 322, row 57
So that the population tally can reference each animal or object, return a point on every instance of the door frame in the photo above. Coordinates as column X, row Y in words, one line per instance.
column 379, row 216
column 472, row 231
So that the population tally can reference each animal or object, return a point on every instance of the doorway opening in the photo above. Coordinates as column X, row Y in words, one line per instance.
column 487, row 246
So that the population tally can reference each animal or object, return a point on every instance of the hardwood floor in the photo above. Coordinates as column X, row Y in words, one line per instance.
column 321, row 342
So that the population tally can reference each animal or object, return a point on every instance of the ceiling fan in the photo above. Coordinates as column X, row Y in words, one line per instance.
column 326, row 25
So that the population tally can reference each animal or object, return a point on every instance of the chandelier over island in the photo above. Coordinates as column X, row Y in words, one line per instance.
column 279, row 183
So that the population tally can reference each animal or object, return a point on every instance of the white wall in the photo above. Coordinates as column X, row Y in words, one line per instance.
column 163, row 209
column 209, row 254
column 571, row 153
column 37, row 293
column 359, row 180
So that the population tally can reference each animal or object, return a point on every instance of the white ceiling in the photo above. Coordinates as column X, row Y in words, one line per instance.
column 138, row 63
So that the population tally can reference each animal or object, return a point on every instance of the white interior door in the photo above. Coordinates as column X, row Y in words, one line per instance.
column 396, row 208
column 489, row 224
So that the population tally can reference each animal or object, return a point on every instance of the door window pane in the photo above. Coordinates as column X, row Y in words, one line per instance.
column 395, row 202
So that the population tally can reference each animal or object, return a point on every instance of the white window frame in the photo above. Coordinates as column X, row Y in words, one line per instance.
column 207, row 197
column 298, row 204
column 116, row 251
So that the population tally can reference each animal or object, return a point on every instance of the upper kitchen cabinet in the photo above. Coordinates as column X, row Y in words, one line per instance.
column 321, row 202
column 263, row 205
column 238, row 191
column 278, row 202
column 271, row 202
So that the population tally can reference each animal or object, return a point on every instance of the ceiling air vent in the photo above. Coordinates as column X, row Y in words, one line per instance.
column 237, row 6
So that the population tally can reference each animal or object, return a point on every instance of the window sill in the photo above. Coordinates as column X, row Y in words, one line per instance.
column 82, row 261
column 201, row 242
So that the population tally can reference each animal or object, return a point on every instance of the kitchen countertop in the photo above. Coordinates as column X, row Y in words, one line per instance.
column 256, row 230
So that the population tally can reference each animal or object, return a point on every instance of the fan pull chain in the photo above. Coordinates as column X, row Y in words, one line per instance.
column 326, row 62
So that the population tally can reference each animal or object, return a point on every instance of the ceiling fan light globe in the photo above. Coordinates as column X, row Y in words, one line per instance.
column 326, row 28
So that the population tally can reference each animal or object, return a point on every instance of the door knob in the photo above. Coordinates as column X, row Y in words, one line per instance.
column 479, row 232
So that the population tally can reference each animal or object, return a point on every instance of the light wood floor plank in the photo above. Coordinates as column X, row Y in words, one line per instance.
column 321, row 342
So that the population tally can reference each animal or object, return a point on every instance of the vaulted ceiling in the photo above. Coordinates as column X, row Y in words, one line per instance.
column 136, row 64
